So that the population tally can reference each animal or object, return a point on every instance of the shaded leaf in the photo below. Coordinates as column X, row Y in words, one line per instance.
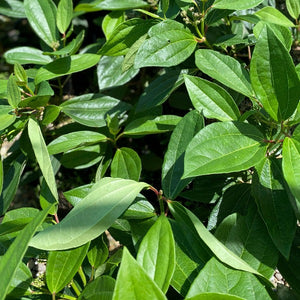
column 12, row 8
column 98, row 252
column 214, row 296
column 7, row 117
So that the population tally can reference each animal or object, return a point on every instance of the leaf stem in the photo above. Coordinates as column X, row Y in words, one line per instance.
column 82, row 276
column 53, row 296
column 75, row 288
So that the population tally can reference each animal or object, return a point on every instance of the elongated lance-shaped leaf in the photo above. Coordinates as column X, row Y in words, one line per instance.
column 172, row 169
column 42, row 155
column 293, row 7
column 12, row 258
column 182, row 214
column 91, row 216
column 62, row 267
column 236, row 5
column 13, row 92
column 274, row 81
column 157, row 253
column 64, row 15
column 111, row 21
column 270, row 14
column 223, row 148
column 134, row 283
column 13, row 8
column 225, row 69
column 41, row 15
column 291, row 165
column 275, row 201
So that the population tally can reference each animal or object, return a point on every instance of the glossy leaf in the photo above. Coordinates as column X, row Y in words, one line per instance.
column 20, row 74
column 111, row 21
column 291, row 165
column 74, row 139
column 232, row 4
column 223, row 148
column 7, row 116
column 98, row 252
column 110, row 74
column 64, row 15
column 126, row 164
column 211, row 100
column 101, row 288
column 133, row 282
column 172, row 169
column 275, row 81
column 26, row 55
column 151, row 125
column 157, row 253
column 50, row 114
column 214, row 296
column 42, row 155
column 293, row 7
column 272, row 15
column 169, row 47
column 41, row 15
column 273, row 201
column 124, row 36
column 225, row 69
column 13, row 92
column 12, row 8
column 62, row 267
column 92, row 109
column 65, row 66
column 216, row 277
column 117, row 194
column 12, row 258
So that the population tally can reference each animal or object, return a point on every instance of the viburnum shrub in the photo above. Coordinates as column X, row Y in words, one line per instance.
column 112, row 95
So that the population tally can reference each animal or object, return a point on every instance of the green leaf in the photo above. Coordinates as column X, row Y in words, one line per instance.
column 1, row 176
column 98, row 252
column 92, row 109
column 73, row 140
column 216, row 277
column 64, row 15
column 51, row 112
column 224, row 148
column 270, row 14
column 62, row 267
column 293, row 7
column 7, row 116
column 157, row 253
column 211, row 100
column 124, row 36
column 75, row 195
column 273, row 201
column 102, row 288
column 12, row 258
column 274, row 81
column 76, row 229
column 133, row 282
column 160, row 89
column 111, row 21
column 42, row 155
column 12, row 8
column 247, row 237
column 41, row 15
column 13, row 92
column 26, row 55
column 214, row 296
column 11, row 181
column 20, row 74
column 66, row 65
column 233, row 4
column 13, row 226
column 168, row 47
column 225, row 69
column 165, row 6
column 151, row 125
column 291, row 165
column 172, row 169
column 110, row 74
column 126, row 164
column 183, row 215
column 140, row 209
column 110, row 5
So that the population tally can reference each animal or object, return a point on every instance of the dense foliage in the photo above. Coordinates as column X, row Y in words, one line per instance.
column 169, row 126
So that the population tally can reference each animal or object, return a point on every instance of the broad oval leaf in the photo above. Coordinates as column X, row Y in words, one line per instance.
column 274, row 81
column 64, row 15
column 223, row 148
column 126, row 164
column 65, row 66
column 98, row 252
column 291, row 165
column 236, row 5
column 211, row 100
column 74, row 139
column 134, row 283
column 62, row 267
column 157, row 253
column 12, row 8
column 225, row 69
column 7, row 116
column 293, row 7
column 272, row 15
column 172, row 169
column 111, row 21
column 90, row 217
column 41, row 15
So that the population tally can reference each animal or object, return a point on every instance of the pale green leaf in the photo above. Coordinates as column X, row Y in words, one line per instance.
column 20, row 74
column 12, row 8
column 64, row 15
column 111, row 21
column 272, row 15
column 236, row 5
column 1, row 176
column 7, row 116
column 13, row 92
column 214, row 296
column 98, row 252
column 293, row 7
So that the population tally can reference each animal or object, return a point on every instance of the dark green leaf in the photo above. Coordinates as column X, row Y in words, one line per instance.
column 111, row 21
column 98, row 252
column 172, row 169
column 1, row 176
column 272, row 15
column 13, row 92
column 273, row 201
column 64, row 15
column 232, row 4
column 75, row 195
column 133, row 282
column 293, row 7
column 34, row 102
column 7, row 117
column 76, row 228
column 13, row 226
column 140, row 209
column 223, row 148
column 12, row 8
